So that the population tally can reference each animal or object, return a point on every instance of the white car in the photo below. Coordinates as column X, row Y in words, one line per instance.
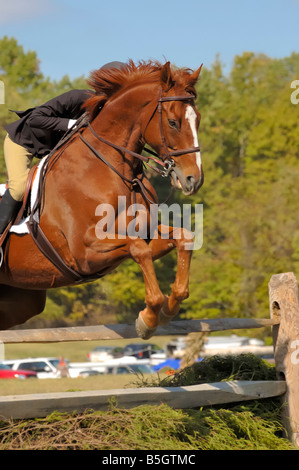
column 104, row 353
column 47, row 367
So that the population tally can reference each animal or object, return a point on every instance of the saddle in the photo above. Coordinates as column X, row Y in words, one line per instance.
column 25, row 207
column 27, row 211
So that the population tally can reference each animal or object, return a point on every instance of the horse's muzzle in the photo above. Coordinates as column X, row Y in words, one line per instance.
column 188, row 184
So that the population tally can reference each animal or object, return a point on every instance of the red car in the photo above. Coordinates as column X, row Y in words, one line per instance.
column 7, row 373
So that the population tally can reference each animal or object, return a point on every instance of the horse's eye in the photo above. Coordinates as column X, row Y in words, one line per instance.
column 191, row 92
column 172, row 123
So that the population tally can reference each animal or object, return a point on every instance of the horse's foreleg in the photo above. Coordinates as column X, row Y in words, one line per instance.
column 182, row 240
column 148, row 319
column 110, row 250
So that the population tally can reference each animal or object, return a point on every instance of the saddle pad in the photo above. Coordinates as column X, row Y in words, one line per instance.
column 21, row 227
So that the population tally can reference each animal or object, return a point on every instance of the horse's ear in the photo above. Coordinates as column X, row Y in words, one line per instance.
column 193, row 77
column 166, row 78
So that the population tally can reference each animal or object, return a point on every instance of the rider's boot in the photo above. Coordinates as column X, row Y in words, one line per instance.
column 8, row 209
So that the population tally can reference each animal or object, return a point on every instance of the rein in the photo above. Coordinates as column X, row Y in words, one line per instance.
column 167, row 162
column 134, row 181
column 167, row 165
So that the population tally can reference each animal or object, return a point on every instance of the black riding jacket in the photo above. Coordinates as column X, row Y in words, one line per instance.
column 40, row 129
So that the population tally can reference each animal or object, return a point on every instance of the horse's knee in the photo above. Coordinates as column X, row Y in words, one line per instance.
column 180, row 293
column 155, row 301
column 140, row 251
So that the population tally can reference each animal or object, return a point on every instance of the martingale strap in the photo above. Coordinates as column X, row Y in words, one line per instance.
column 54, row 257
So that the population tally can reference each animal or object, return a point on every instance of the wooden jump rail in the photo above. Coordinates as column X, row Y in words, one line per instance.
column 284, row 313
column 126, row 331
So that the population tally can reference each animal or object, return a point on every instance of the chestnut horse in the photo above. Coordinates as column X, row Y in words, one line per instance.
column 141, row 103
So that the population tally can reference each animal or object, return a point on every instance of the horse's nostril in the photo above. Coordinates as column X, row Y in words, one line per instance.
column 190, row 180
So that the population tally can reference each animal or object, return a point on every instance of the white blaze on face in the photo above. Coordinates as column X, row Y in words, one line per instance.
column 191, row 118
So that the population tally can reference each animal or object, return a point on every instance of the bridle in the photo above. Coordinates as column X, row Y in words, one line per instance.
column 166, row 161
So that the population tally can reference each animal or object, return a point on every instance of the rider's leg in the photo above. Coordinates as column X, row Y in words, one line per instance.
column 8, row 209
column 18, row 160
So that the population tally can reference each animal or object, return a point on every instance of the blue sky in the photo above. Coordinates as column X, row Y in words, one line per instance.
column 75, row 36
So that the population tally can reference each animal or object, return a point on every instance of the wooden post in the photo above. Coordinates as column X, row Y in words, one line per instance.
column 284, row 307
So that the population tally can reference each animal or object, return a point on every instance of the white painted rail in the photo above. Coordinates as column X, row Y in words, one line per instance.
column 41, row 405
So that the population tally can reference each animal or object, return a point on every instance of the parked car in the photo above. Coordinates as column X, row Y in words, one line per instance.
column 104, row 353
column 47, row 367
column 222, row 345
column 7, row 373
column 141, row 350
column 130, row 369
column 89, row 372
column 43, row 367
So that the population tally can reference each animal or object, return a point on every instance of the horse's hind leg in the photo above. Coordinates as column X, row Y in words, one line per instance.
column 18, row 305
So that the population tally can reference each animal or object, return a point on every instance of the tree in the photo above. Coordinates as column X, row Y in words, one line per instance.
column 251, row 190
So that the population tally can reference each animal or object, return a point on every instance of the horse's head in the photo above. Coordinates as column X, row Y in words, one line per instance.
column 159, row 103
column 171, row 129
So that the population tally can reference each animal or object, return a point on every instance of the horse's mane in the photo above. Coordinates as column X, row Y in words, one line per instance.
column 106, row 82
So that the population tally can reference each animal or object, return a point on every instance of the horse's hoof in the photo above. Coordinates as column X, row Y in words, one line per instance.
column 164, row 319
column 142, row 329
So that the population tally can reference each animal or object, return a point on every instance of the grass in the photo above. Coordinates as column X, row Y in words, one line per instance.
column 254, row 425
column 248, row 427
column 97, row 382
column 74, row 352
column 223, row 368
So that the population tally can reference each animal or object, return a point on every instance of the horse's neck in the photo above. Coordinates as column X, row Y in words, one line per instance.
column 121, row 124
